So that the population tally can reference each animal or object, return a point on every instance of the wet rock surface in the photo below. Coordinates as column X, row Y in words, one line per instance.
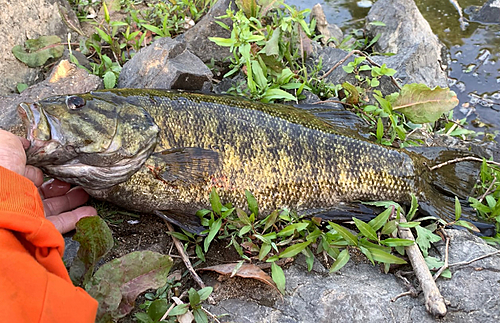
column 488, row 13
column 196, row 38
column 165, row 64
column 21, row 20
column 418, row 52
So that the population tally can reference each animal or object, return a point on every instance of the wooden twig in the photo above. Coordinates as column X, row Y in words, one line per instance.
column 446, row 252
column 185, row 257
column 461, row 159
column 434, row 302
column 412, row 291
column 213, row 317
column 172, row 306
column 475, row 259
column 489, row 190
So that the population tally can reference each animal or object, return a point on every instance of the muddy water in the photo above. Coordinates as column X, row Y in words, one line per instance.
column 474, row 52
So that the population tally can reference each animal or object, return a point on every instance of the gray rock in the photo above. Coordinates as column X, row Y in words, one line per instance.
column 329, row 57
column 165, row 64
column 197, row 40
column 21, row 20
column 488, row 13
column 65, row 78
column 324, row 28
column 408, row 35
column 362, row 293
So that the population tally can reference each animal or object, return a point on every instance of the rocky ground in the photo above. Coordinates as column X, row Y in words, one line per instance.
column 360, row 292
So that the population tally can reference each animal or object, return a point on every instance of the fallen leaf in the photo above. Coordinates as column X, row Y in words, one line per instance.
column 421, row 104
column 36, row 52
column 246, row 271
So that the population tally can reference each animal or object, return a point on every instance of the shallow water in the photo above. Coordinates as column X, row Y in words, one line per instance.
column 474, row 69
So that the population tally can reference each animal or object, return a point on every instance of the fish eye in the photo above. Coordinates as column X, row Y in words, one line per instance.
column 75, row 102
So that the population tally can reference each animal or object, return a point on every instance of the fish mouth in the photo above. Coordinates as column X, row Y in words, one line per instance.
column 42, row 129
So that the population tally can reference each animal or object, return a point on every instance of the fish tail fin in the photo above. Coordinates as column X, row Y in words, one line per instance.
column 446, row 173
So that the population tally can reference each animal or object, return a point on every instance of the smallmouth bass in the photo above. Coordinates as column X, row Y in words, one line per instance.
column 158, row 150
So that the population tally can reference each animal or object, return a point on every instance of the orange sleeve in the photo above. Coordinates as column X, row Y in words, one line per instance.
column 34, row 283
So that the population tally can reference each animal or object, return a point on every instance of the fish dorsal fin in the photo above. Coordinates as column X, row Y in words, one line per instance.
column 185, row 164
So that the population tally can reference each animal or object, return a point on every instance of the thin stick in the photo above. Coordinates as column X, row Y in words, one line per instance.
column 185, row 257
column 475, row 259
column 172, row 306
column 446, row 250
column 461, row 159
column 210, row 314
column 337, row 65
column 434, row 302
column 489, row 190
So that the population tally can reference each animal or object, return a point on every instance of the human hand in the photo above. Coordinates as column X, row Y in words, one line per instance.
column 60, row 202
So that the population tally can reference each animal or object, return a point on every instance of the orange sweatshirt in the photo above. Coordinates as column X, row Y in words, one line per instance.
column 34, row 284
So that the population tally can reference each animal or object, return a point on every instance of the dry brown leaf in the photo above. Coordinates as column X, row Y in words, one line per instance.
column 246, row 271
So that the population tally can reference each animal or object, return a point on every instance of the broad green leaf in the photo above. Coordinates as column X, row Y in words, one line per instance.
column 264, row 250
column 157, row 309
column 384, row 257
column 272, row 94
column 420, row 104
column 294, row 249
column 200, row 316
column 243, row 217
column 409, row 224
column 309, row 258
column 194, row 297
column 117, row 283
column 348, row 236
column 215, row 202
column 389, row 227
column 205, row 293
column 353, row 92
column 272, row 45
column 413, row 208
column 365, row 229
column 96, row 240
column 278, row 277
column 458, row 209
column 270, row 220
column 224, row 42
column 341, row 260
column 36, row 52
column 252, row 203
column 259, row 76
column 214, row 229
column 380, row 130
column 377, row 23
column 424, row 239
column 179, row 310
column 290, row 229
column 109, row 80
column 396, row 242
column 380, row 220
column 467, row 225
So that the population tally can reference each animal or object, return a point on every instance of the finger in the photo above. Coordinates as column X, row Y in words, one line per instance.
column 66, row 202
column 34, row 174
column 26, row 143
column 54, row 187
column 66, row 222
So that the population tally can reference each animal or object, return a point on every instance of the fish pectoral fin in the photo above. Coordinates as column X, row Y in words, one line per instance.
column 184, row 220
column 187, row 164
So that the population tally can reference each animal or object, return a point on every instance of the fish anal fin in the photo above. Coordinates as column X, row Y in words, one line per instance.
column 183, row 220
